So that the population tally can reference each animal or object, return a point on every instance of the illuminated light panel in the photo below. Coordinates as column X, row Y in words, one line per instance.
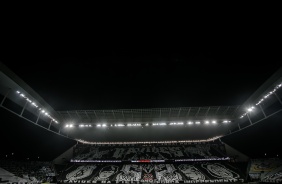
column 119, row 125
column 134, row 124
column 176, row 123
column 34, row 104
column 263, row 98
column 250, row 109
column 148, row 142
column 159, row 124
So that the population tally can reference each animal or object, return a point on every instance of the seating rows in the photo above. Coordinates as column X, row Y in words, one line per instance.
column 153, row 173
column 266, row 170
column 156, row 152
column 34, row 171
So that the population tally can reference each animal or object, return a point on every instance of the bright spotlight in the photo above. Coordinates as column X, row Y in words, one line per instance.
column 207, row 122
column 213, row 122
column 18, row 92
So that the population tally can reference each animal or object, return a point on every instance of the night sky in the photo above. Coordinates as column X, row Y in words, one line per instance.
column 133, row 69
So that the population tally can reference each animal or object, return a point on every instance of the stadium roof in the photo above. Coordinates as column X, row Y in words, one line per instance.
column 224, row 118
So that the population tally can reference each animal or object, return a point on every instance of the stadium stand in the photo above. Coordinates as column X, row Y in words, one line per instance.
column 153, row 173
column 200, row 151
column 185, row 163
column 27, row 171
column 265, row 170
column 203, row 161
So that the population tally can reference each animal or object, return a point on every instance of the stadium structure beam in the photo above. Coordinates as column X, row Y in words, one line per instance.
column 113, row 114
column 88, row 116
column 278, row 98
column 262, row 111
column 226, row 110
column 207, row 111
column 249, row 118
column 179, row 112
column 23, row 108
column 7, row 93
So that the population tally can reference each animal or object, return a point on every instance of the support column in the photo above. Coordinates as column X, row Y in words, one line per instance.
column 50, row 124
column 249, row 118
column 262, row 111
column 9, row 90
column 278, row 98
column 23, row 108
column 38, row 117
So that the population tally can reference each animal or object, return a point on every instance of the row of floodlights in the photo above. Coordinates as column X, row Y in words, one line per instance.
column 250, row 109
column 147, row 124
column 150, row 142
column 36, row 106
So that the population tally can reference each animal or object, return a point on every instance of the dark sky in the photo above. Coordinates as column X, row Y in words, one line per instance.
column 134, row 67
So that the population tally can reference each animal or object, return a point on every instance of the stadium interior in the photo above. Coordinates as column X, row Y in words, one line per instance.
column 154, row 145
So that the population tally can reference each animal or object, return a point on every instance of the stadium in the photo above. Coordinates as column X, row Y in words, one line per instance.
column 184, row 144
